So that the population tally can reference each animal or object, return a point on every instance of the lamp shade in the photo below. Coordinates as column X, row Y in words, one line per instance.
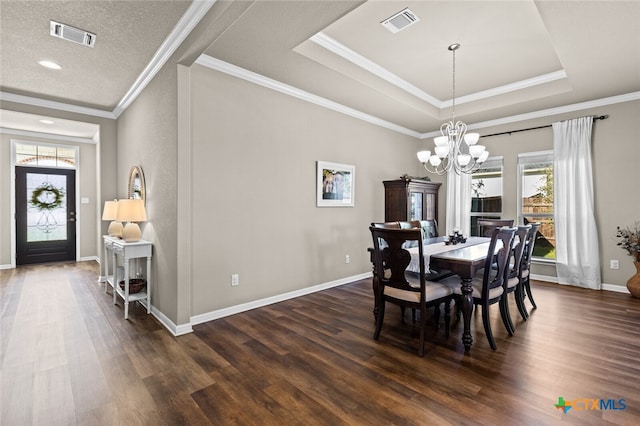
column 130, row 210
column 110, row 211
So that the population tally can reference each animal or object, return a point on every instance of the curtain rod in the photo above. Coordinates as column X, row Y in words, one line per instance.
column 595, row 117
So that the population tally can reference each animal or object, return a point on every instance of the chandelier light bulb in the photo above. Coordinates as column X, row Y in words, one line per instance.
column 464, row 159
column 423, row 156
column 441, row 140
column 471, row 138
column 476, row 150
column 442, row 151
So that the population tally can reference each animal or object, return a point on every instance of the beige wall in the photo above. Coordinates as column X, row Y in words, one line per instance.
column 254, row 213
column 616, row 152
column 96, row 180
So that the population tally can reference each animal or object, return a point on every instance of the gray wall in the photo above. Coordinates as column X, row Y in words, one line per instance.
column 254, row 213
column 616, row 152
column 147, row 138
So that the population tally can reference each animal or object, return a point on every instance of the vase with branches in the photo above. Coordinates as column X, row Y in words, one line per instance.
column 629, row 240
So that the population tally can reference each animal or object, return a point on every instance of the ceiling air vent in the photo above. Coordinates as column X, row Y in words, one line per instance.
column 400, row 20
column 70, row 33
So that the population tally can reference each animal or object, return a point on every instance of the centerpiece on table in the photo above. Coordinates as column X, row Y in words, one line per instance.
column 630, row 241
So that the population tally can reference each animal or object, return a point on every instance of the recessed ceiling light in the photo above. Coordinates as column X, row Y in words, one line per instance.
column 46, row 122
column 50, row 64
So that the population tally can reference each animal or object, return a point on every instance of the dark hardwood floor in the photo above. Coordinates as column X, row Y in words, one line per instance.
column 68, row 357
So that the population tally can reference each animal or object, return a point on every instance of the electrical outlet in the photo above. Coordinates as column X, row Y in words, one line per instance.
column 613, row 264
column 347, row 259
column 235, row 279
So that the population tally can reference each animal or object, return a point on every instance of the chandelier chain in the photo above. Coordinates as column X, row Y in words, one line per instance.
column 453, row 100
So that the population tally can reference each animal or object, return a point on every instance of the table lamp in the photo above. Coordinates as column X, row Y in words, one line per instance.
column 131, row 211
column 110, row 212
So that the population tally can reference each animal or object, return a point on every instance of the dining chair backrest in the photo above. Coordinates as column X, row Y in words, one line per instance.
column 519, row 245
column 429, row 227
column 486, row 226
column 386, row 225
column 497, row 261
column 525, row 264
column 391, row 258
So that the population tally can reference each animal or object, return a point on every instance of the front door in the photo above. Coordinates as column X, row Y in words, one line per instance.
column 45, row 215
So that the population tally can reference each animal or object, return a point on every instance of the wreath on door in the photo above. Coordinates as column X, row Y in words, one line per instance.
column 47, row 197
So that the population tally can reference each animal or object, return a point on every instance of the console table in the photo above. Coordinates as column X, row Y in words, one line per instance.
column 114, row 247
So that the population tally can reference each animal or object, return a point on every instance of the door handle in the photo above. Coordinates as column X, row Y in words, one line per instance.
column 72, row 219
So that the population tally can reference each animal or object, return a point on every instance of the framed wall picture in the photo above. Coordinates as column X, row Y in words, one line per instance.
column 335, row 184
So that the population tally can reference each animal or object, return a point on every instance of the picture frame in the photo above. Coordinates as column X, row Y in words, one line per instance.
column 335, row 184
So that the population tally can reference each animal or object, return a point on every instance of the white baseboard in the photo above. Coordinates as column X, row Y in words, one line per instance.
column 89, row 258
column 221, row 313
column 174, row 329
column 616, row 288
column 605, row 287
column 7, row 266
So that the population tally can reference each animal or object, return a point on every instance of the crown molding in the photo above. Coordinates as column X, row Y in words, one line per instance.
column 344, row 52
column 511, row 87
column 183, row 28
column 28, row 100
column 32, row 134
column 611, row 100
column 235, row 71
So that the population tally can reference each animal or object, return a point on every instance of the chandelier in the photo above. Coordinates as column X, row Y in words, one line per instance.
column 450, row 152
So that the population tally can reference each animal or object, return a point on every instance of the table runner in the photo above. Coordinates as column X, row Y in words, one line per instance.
column 439, row 247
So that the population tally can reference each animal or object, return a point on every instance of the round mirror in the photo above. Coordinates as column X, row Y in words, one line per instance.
column 136, row 183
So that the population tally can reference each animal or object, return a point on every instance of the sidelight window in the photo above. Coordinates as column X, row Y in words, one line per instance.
column 535, row 175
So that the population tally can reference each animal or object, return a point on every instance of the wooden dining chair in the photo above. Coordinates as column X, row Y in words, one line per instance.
column 488, row 289
column 429, row 227
column 525, row 269
column 512, row 280
column 395, row 284
column 486, row 226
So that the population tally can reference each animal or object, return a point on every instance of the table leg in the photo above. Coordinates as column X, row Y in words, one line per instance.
column 105, row 261
column 114, row 266
column 467, row 309
column 126, row 288
column 148, row 285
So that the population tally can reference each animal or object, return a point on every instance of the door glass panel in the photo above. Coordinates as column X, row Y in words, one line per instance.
column 46, row 207
column 416, row 206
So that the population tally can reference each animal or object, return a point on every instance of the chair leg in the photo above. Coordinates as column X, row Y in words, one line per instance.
column 505, row 314
column 379, row 320
column 528, row 288
column 413, row 315
column 447, row 316
column 458, row 308
column 436, row 316
column 487, row 327
column 402, row 314
column 423, row 323
column 520, row 302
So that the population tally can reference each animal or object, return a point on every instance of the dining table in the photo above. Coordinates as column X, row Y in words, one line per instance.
column 463, row 259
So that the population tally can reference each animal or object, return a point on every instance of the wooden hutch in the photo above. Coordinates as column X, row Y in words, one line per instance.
column 410, row 199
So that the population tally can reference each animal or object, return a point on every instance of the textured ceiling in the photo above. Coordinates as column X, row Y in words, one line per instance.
column 517, row 57
column 127, row 35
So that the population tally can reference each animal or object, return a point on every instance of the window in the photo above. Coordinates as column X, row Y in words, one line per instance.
column 486, row 192
column 45, row 155
column 535, row 175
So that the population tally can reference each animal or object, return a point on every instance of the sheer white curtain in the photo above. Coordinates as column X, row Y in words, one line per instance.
column 577, row 254
column 458, row 203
